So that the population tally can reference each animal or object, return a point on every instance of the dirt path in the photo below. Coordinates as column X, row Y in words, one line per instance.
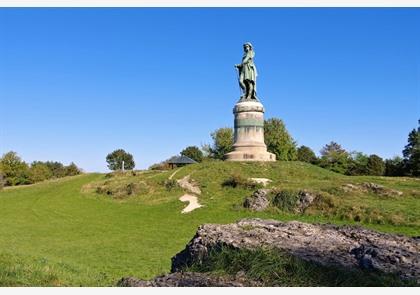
column 192, row 205
column 193, row 189
column 189, row 185
column 175, row 172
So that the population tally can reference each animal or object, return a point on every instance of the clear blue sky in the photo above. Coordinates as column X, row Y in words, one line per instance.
column 75, row 84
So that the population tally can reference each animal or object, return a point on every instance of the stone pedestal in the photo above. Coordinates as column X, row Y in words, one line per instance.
column 249, row 133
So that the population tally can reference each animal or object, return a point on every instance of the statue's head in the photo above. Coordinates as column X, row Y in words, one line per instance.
column 247, row 46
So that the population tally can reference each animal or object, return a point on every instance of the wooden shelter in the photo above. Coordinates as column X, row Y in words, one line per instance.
column 178, row 161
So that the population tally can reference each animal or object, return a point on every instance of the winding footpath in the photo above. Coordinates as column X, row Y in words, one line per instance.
column 187, row 184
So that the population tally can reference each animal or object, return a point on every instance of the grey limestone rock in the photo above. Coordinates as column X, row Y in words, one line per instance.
column 304, row 201
column 258, row 201
column 188, row 279
column 377, row 189
column 380, row 189
column 328, row 245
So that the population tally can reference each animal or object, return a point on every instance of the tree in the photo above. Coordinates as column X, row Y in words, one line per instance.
column 72, row 170
column 39, row 171
column 58, row 170
column 278, row 140
column 14, row 170
column 357, row 164
column 116, row 158
column 193, row 152
column 411, row 153
column 394, row 166
column 375, row 165
column 305, row 154
column 206, row 149
column 222, row 143
column 335, row 158
column 2, row 180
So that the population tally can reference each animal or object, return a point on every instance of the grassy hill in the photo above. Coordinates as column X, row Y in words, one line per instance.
column 93, row 229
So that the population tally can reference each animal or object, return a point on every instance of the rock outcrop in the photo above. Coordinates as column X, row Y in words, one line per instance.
column 190, row 185
column 305, row 199
column 344, row 246
column 377, row 189
column 189, row 279
column 262, row 198
column 258, row 201
column 262, row 181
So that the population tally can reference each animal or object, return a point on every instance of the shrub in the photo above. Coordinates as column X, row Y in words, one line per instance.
column 160, row 166
column 285, row 200
column 131, row 189
column 120, row 190
column 170, row 184
column 237, row 180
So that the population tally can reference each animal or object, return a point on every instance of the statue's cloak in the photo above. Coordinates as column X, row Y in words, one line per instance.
column 249, row 70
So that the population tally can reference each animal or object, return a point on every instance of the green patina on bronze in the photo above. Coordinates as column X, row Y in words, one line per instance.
column 249, row 123
column 248, row 74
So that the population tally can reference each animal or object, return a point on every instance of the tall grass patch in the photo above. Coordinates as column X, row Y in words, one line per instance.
column 273, row 267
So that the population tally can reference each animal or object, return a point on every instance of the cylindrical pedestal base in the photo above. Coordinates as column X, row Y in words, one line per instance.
column 249, row 133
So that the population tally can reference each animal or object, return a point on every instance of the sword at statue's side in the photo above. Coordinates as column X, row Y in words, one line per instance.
column 238, row 76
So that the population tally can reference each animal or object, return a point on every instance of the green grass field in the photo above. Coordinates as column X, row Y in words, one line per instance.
column 63, row 233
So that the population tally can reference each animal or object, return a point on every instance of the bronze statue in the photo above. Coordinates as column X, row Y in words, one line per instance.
column 248, row 74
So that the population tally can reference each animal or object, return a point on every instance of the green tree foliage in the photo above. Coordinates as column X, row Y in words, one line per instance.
column 335, row 158
column 206, row 149
column 160, row 166
column 193, row 152
column 116, row 158
column 2, row 180
column 362, row 164
column 72, row 170
column 39, row 171
column 14, row 170
column 394, row 166
column 222, row 143
column 358, row 164
column 58, row 170
column 305, row 154
column 375, row 165
column 411, row 153
column 278, row 140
